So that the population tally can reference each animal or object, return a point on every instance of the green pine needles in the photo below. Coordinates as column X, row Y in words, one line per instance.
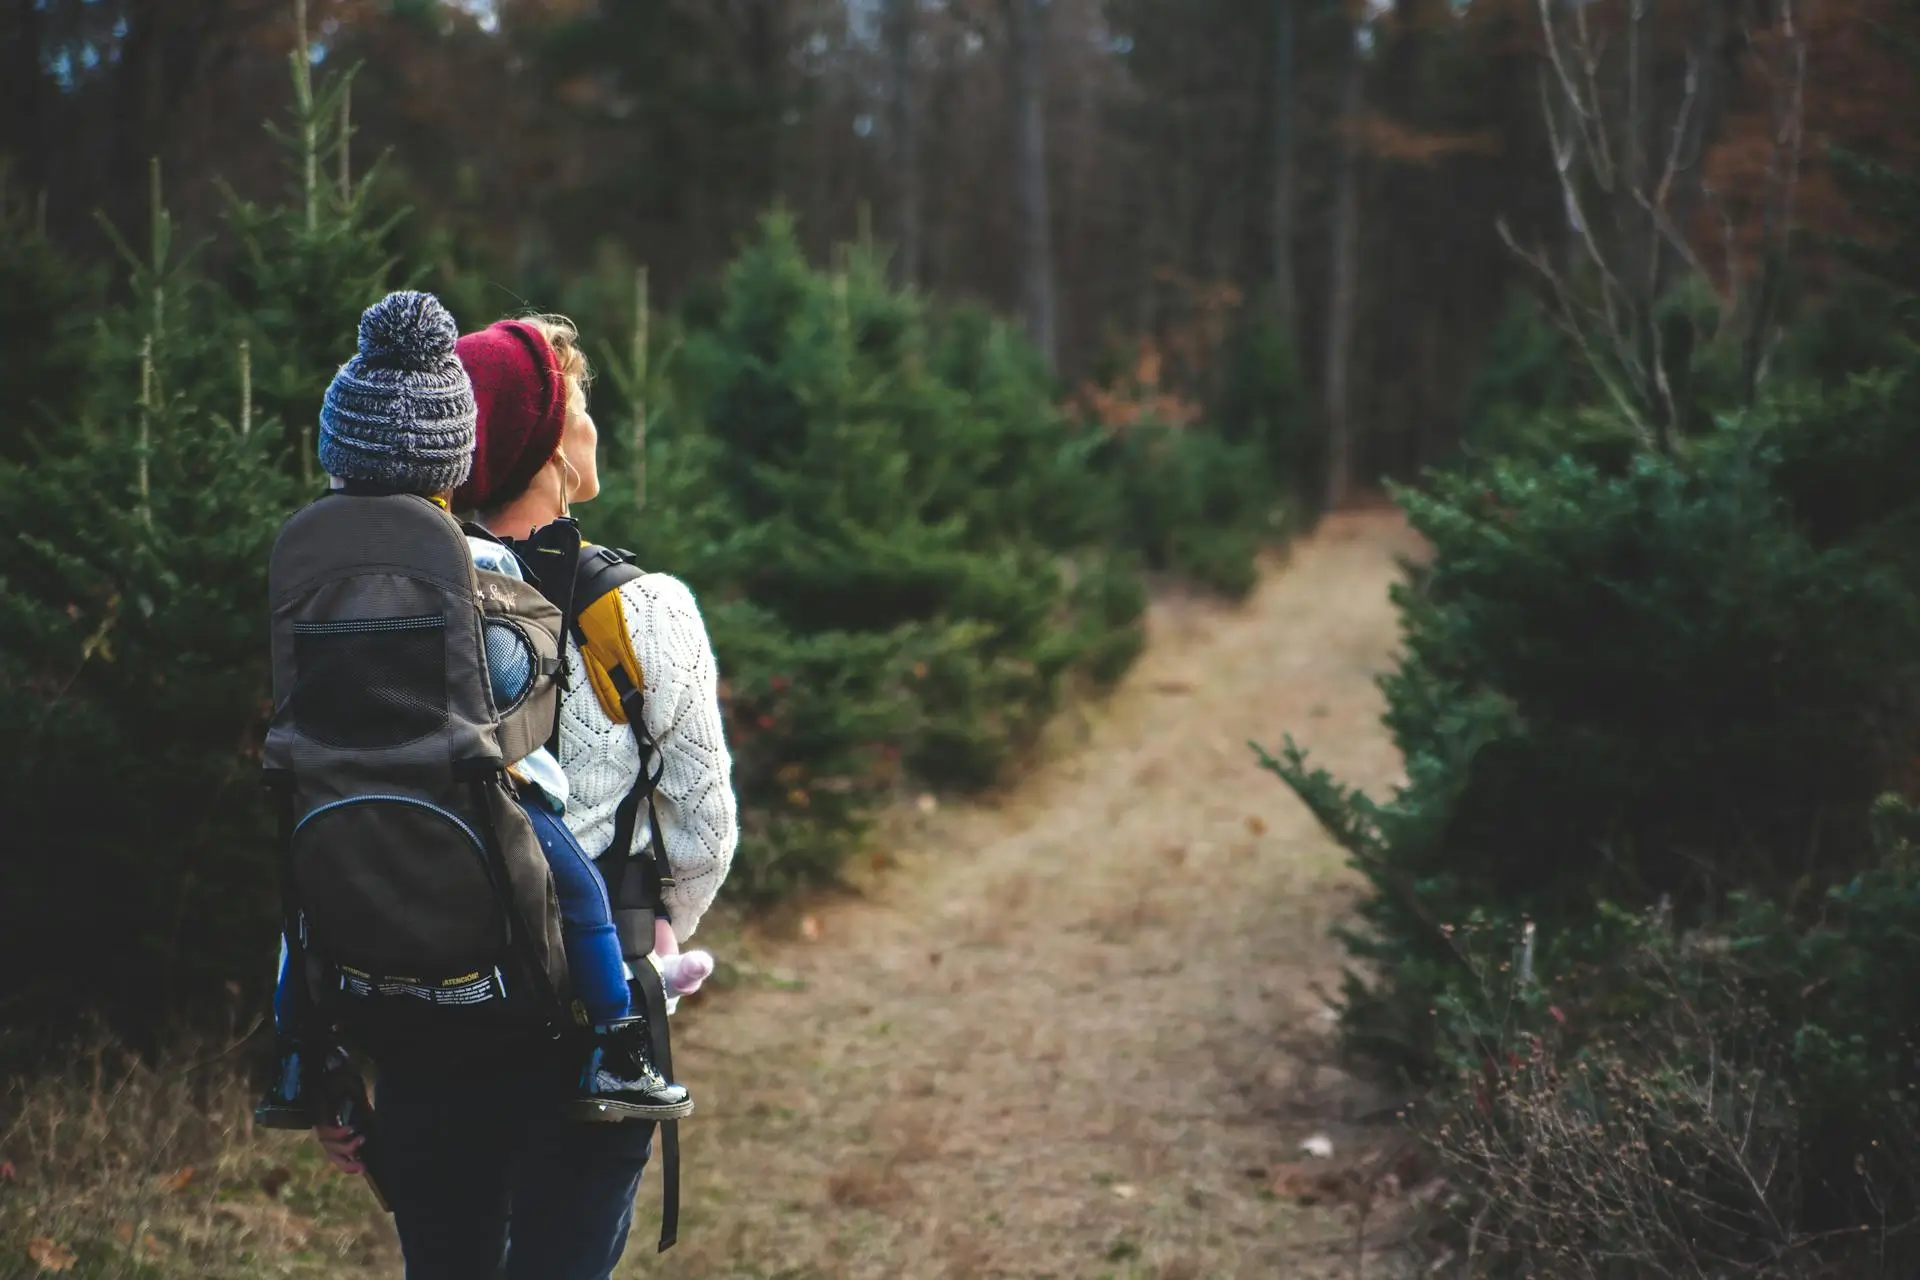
column 140, row 493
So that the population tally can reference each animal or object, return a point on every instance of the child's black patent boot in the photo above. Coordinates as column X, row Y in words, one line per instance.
column 620, row 1082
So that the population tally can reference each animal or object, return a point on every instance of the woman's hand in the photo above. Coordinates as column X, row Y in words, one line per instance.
column 342, row 1146
column 664, row 941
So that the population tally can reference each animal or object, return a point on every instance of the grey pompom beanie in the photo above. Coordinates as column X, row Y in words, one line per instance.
column 400, row 414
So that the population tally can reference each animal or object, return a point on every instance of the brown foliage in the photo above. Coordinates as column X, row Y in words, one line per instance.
column 1861, row 95
column 1135, row 397
column 1387, row 139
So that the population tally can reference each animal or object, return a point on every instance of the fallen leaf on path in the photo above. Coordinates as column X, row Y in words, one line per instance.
column 1256, row 824
column 1309, row 1184
column 1125, row 1191
column 867, row 1187
column 48, row 1254
column 124, row 1233
column 268, row 1221
column 927, row 803
column 810, row 928
column 1173, row 687
column 177, row 1180
column 1319, row 1146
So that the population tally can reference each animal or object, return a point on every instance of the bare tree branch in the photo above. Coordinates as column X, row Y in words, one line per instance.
column 1629, row 224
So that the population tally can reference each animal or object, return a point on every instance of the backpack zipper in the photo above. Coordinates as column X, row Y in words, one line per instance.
column 454, row 818
column 349, row 626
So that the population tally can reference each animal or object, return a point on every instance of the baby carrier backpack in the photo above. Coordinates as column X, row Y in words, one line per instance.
column 418, row 903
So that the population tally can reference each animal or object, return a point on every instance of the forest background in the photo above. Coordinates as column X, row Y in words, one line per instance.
column 1226, row 229
column 933, row 333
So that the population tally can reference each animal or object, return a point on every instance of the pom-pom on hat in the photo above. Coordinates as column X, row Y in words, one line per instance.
column 400, row 414
column 522, row 397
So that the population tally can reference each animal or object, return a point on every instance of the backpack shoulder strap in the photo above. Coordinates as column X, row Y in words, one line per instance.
column 599, row 625
column 598, row 621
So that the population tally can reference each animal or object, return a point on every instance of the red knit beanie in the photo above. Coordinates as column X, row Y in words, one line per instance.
column 522, row 399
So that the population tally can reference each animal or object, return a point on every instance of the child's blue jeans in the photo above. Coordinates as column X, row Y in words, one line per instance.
column 586, row 919
column 586, row 926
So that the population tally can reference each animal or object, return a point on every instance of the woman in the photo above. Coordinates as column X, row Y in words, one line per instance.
column 485, row 1174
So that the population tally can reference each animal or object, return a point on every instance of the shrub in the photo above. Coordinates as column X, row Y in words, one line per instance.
column 1263, row 402
column 1741, row 1100
column 1626, row 688
column 47, row 305
column 1648, row 692
column 905, row 555
column 1530, row 377
column 134, row 673
column 1194, row 504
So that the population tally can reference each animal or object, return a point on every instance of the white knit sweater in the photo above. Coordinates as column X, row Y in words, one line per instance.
column 698, row 818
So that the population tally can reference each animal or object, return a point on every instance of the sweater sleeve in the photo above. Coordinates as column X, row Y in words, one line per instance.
column 699, row 820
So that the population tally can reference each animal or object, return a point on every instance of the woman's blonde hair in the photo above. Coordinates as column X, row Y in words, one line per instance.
column 564, row 338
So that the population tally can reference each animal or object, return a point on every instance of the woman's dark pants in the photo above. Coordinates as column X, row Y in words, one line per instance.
column 489, row 1181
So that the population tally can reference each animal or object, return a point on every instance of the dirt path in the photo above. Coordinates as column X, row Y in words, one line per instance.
column 1049, row 1042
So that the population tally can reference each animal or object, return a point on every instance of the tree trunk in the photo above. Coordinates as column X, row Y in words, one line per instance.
column 140, row 94
column 1285, row 16
column 1702, row 126
column 1026, row 23
column 906, row 141
column 1344, row 289
column 23, row 138
column 763, row 57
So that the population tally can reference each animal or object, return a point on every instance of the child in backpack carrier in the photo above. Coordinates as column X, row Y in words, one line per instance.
column 399, row 418
column 620, row 1080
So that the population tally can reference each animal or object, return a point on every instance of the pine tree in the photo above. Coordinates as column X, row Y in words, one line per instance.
column 921, row 533
column 312, row 263
column 47, row 303
column 133, row 596
column 134, row 668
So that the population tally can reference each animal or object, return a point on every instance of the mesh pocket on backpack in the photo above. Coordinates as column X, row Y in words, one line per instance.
column 509, row 663
column 372, row 683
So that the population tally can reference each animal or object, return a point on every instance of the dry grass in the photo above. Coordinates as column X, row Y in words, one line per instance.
column 1057, row 1034
column 115, row 1168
